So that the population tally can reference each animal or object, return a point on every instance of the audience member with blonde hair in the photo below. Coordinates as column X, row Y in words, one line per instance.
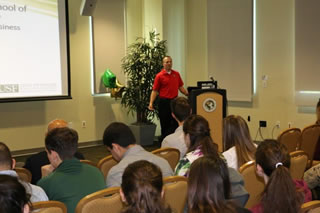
column 238, row 146
column 142, row 188
column 281, row 193
column 209, row 187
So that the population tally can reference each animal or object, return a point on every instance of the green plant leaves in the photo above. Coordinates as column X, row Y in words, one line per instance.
column 141, row 64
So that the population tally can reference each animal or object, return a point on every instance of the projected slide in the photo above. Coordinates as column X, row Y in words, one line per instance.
column 33, row 49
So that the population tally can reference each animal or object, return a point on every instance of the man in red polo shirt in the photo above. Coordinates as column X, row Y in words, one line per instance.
column 166, row 83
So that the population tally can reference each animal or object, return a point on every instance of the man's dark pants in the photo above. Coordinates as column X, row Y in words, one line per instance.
column 167, row 122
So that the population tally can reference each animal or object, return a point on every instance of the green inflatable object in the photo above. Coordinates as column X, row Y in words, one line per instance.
column 109, row 79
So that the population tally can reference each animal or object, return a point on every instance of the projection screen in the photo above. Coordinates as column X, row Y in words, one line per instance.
column 34, row 50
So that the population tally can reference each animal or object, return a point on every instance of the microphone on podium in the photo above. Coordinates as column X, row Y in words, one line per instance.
column 215, row 83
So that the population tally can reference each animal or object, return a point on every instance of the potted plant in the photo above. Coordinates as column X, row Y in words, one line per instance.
column 141, row 64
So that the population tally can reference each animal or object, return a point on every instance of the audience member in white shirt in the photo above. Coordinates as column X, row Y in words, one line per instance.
column 180, row 109
column 238, row 145
column 7, row 165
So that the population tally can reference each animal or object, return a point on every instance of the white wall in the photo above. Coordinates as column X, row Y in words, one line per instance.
column 275, row 58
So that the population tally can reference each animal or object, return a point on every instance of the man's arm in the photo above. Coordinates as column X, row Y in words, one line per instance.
column 46, row 170
column 114, row 177
column 152, row 98
column 183, row 91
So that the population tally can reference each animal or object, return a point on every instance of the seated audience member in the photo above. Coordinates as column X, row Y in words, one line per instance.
column 209, row 187
column 317, row 150
column 237, row 142
column 281, row 193
column 7, row 165
column 141, row 188
column 312, row 178
column 199, row 143
column 71, row 180
column 36, row 161
column 180, row 109
column 121, row 142
column 13, row 196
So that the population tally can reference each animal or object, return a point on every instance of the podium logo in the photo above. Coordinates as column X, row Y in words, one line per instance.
column 9, row 88
column 209, row 105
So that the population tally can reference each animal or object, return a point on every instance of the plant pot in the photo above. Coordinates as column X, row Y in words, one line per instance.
column 144, row 133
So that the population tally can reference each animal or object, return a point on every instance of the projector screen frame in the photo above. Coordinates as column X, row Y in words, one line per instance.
column 68, row 74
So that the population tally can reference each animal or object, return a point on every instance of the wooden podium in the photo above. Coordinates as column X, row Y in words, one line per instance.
column 212, row 105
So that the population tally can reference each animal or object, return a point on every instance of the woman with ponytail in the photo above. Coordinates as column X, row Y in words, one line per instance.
column 141, row 188
column 281, row 194
column 199, row 142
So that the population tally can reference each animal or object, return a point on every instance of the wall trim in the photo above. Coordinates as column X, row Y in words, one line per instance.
column 81, row 145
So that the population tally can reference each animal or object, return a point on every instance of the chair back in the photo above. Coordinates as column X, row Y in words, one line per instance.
column 299, row 161
column 105, row 164
column 24, row 174
column 252, row 183
column 290, row 138
column 91, row 163
column 106, row 200
column 311, row 207
column 49, row 207
column 172, row 155
column 175, row 192
column 309, row 139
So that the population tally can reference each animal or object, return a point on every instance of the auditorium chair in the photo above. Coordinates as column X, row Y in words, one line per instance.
column 311, row 207
column 252, row 183
column 106, row 200
column 290, row 138
column 49, row 207
column 175, row 192
column 105, row 164
column 172, row 155
column 24, row 174
column 299, row 162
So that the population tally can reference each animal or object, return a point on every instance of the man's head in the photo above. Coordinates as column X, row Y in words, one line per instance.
column 180, row 108
column 61, row 144
column 118, row 137
column 6, row 161
column 167, row 63
column 57, row 123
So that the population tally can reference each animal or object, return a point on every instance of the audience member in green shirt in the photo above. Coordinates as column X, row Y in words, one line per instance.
column 70, row 179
